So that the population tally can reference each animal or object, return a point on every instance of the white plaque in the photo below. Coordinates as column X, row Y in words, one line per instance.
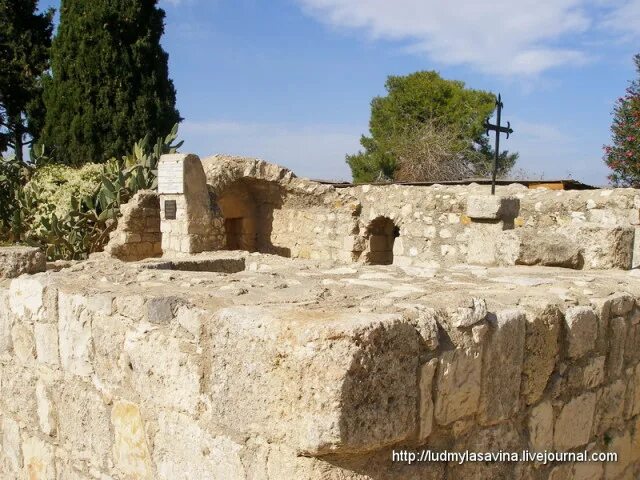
column 171, row 177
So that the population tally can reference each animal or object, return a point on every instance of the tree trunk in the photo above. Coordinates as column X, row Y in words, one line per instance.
column 17, row 142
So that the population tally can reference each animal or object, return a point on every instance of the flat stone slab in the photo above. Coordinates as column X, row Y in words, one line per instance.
column 14, row 261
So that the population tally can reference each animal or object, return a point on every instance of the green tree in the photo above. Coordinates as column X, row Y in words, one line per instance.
column 25, row 40
column 110, row 81
column 623, row 155
column 416, row 100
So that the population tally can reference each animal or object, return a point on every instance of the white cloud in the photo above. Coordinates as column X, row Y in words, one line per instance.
column 625, row 18
column 504, row 37
column 315, row 151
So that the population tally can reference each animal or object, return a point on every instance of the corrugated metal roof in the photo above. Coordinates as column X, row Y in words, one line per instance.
column 565, row 184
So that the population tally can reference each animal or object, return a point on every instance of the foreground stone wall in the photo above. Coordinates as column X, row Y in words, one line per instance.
column 100, row 381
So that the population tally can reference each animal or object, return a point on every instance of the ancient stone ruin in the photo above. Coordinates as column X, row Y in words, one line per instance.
column 263, row 326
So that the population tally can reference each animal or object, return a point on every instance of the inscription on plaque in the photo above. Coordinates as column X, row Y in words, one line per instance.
column 170, row 177
column 170, row 209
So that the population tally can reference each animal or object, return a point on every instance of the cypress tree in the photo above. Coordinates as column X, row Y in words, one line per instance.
column 110, row 81
column 25, row 39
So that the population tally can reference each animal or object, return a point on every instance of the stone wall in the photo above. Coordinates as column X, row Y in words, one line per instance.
column 246, row 204
column 101, row 381
column 137, row 235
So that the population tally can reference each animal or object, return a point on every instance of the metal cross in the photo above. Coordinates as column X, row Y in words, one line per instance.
column 498, row 129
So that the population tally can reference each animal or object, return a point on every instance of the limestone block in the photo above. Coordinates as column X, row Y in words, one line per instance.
column 621, row 444
column 621, row 304
column 587, row 471
column 582, row 330
column 47, row 416
column 458, row 385
column 5, row 322
column 83, row 421
column 604, row 248
column 15, row 261
column 548, row 249
column 573, row 425
column 427, row 372
column 492, row 207
column 24, row 345
column 502, row 367
column 635, row 380
column 617, row 337
column 160, row 310
column 131, row 306
column 594, row 373
column 130, row 449
column 541, row 427
column 541, row 350
column 610, row 406
column 476, row 312
column 26, row 298
column 39, row 462
column 46, row 340
column 481, row 248
column 108, row 333
column 367, row 365
column 19, row 392
column 184, row 451
column 12, row 443
column 74, row 332
column 166, row 370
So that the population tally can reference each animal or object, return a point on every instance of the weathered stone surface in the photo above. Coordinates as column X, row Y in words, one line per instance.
column 594, row 373
column 427, row 371
column 540, row 426
column 492, row 207
column 541, row 350
column 582, row 330
column 621, row 444
column 39, row 462
column 74, row 330
column 166, row 371
column 604, row 247
column 26, row 298
column 47, row 417
column 549, row 249
column 15, row 261
column 573, row 425
column 468, row 316
column 46, row 343
column 366, row 363
column 610, row 406
column 130, row 449
column 184, row 451
column 617, row 337
column 502, row 367
column 12, row 443
column 458, row 385
column 83, row 422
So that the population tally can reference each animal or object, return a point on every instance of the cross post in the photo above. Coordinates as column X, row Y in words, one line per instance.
column 498, row 128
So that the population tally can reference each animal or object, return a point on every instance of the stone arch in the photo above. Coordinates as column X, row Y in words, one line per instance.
column 247, row 205
column 380, row 236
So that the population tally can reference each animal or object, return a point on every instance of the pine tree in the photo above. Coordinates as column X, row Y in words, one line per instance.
column 110, row 80
column 423, row 100
column 623, row 155
column 25, row 39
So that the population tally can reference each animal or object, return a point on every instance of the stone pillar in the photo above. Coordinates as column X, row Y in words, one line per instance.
column 491, row 240
column 188, row 221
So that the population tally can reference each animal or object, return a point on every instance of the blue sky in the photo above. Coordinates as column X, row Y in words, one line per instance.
column 290, row 81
